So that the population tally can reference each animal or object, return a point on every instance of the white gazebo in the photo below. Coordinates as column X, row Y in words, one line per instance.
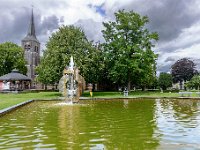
column 14, row 81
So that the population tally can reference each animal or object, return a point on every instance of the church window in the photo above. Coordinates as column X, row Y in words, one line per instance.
column 36, row 49
column 27, row 47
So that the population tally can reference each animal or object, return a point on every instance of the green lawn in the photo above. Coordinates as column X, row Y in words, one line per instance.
column 134, row 94
column 7, row 100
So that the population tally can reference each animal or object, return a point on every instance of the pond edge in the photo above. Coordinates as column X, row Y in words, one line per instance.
column 12, row 108
column 9, row 109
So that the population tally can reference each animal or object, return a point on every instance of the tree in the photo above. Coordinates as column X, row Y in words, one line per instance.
column 11, row 57
column 95, row 66
column 194, row 82
column 183, row 70
column 45, row 70
column 165, row 80
column 66, row 42
column 127, row 49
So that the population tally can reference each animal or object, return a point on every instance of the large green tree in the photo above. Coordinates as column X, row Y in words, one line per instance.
column 165, row 80
column 128, row 52
column 95, row 66
column 11, row 57
column 66, row 42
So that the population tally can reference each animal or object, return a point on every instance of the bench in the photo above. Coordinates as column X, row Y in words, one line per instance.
column 185, row 93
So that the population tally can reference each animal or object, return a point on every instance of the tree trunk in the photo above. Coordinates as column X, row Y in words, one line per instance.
column 93, row 87
column 45, row 87
column 129, row 85
column 144, row 88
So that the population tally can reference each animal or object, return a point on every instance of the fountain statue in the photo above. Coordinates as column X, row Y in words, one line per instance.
column 71, row 83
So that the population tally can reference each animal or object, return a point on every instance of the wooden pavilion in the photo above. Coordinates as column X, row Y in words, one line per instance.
column 14, row 81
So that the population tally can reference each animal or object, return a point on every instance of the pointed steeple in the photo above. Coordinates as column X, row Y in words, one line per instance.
column 31, row 47
column 31, row 30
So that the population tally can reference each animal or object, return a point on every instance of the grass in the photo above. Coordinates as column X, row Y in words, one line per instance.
column 131, row 94
column 7, row 100
column 134, row 94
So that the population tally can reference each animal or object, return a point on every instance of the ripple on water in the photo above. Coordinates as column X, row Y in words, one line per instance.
column 142, row 124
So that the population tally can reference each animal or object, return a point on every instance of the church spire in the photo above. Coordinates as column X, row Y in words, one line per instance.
column 31, row 47
column 31, row 30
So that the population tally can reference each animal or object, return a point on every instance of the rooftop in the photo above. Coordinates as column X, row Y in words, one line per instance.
column 14, row 76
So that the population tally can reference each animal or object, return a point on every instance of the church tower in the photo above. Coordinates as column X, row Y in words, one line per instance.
column 31, row 47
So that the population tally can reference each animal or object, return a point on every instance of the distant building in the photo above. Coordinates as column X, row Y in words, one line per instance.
column 31, row 47
column 179, row 85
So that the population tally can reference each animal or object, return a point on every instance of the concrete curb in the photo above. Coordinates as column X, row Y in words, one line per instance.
column 91, row 98
column 12, row 108
column 9, row 109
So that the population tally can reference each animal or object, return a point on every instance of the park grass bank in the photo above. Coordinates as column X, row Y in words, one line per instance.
column 141, row 94
column 133, row 94
column 10, row 99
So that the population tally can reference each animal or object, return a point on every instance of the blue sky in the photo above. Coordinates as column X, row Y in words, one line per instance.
column 100, row 10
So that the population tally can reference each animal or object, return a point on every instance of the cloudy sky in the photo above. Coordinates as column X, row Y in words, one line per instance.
column 176, row 21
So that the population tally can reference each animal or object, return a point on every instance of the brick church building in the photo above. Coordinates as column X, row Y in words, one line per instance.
column 31, row 47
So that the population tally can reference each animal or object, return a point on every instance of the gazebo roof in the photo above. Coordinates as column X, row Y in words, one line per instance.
column 14, row 76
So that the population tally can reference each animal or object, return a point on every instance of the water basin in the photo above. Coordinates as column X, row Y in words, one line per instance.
column 103, row 124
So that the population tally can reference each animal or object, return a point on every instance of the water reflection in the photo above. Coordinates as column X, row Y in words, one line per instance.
column 24, row 129
column 120, row 125
column 110, row 124
column 178, row 123
column 98, row 125
column 185, row 110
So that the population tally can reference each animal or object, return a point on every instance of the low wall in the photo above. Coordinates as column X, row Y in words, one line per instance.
column 9, row 109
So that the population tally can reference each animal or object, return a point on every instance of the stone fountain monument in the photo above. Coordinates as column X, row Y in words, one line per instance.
column 71, row 83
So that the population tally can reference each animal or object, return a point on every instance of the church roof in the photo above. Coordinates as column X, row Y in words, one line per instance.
column 14, row 76
column 30, row 38
column 31, row 30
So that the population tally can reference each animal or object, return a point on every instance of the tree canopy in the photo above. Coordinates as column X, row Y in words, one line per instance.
column 183, row 70
column 194, row 82
column 66, row 42
column 165, row 80
column 11, row 57
column 126, row 56
column 128, row 53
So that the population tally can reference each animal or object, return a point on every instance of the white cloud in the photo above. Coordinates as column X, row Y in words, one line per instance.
column 92, row 29
column 188, row 37
column 187, row 44
column 166, row 17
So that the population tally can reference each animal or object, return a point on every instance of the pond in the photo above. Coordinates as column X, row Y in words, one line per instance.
column 103, row 124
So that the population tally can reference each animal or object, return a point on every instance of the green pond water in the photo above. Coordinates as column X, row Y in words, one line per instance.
column 103, row 124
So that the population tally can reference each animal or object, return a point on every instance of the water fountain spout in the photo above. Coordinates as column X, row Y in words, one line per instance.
column 68, row 84
column 71, row 64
